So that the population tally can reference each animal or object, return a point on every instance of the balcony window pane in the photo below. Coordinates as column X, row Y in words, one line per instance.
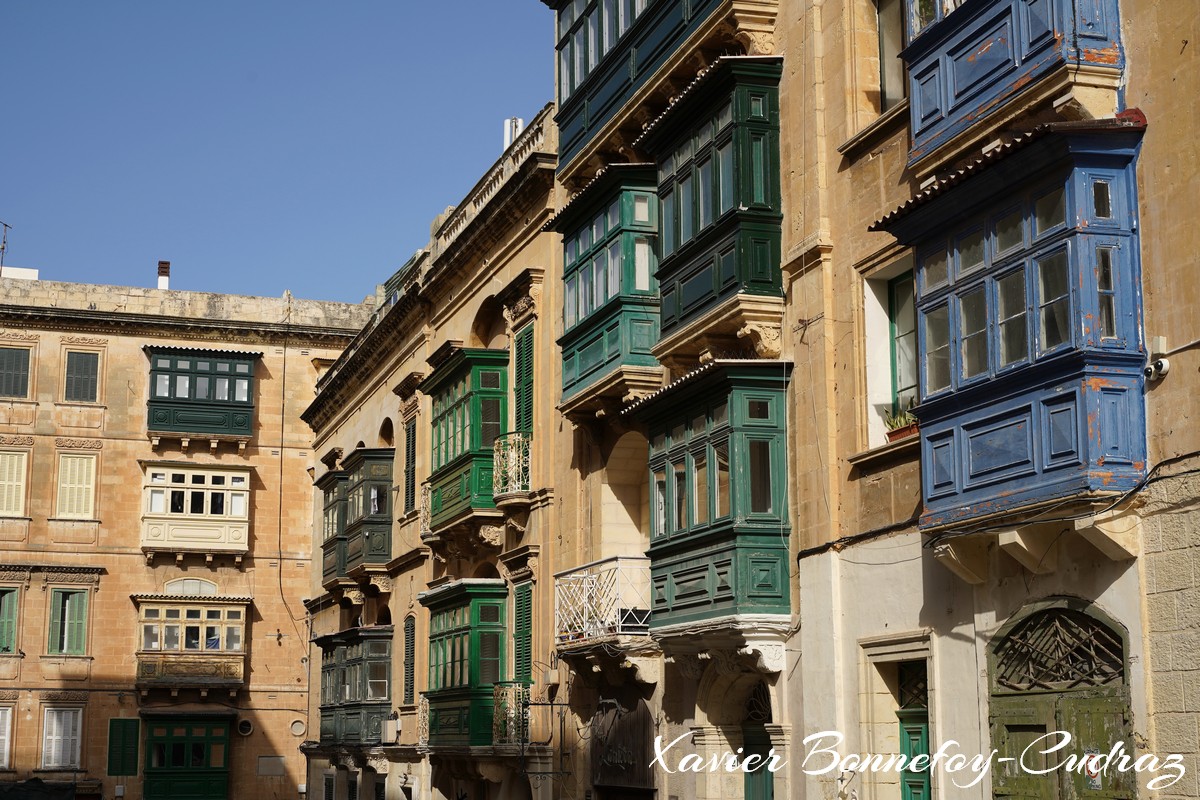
column 704, row 192
column 489, row 657
column 699, row 489
column 170, row 637
column 1104, row 283
column 233, row 638
column 377, row 680
column 614, row 268
column 201, row 387
column 758, row 165
column 1101, row 200
column 935, row 269
column 221, row 389
column 242, row 390
column 686, row 209
column 172, row 613
column 222, row 366
column 725, row 176
column 660, row 503
column 1010, row 292
column 1009, row 231
column 192, row 613
column 721, row 499
column 924, row 13
column 150, row 613
column 151, row 639
column 197, row 503
column 760, row 477
column 489, row 429
column 182, row 384
column 570, row 310
column 601, row 287
column 158, row 501
column 973, row 330
column 641, row 208
column 242, row 369
column 970, row 252
column 216, row 503
column 1050, row 211
column 679, row 519
column 177, row 502
column 641, row 263
column 585, row 290
column 212, row 637
column 1054, row 327
column 668, row 223
column 937, row 349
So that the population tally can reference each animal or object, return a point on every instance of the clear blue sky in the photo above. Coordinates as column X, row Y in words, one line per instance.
column 258, row 145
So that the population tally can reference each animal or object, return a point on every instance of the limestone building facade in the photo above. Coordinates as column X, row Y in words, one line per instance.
column 154, row 536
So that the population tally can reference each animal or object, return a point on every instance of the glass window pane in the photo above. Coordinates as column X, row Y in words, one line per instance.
column 668, row 223
column 679, row 519
column 699, row 489
column 725, row 176
column 935, row 269
column 1010, row 291
column 196, row 506
column 216, row 503
column 221, row 389
column 686, row 209
column 937, row 349
column 158, row 501
column 182, row 384
column 1050, row 211
column 970, row 251
column 641, row 255
column 177, row 502
column 150, row 638
column 973, row 330
column 242, row 390
column 704, row 192
column 721, row 498
column 233, row 638
column 212, row 637
column 201, row 387
column 170, row 637
column 1101, row 199
column 660, row 502
column 760, row 477
column 614, row 268
column 1009, row 231
column 162, row 385
column 1104, row 283
column 237, row 505
column 1054, row 327
column 641, row 208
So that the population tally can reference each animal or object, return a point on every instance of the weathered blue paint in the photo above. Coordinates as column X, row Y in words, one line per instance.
column 1058, row 422
column 976, row 59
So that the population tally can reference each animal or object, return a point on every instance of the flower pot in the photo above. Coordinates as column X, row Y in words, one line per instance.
column 902, row 432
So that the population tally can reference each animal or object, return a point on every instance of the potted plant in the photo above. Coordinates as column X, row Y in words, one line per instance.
column 900, row 424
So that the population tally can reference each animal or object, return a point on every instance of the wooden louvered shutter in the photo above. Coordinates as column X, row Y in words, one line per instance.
column 8, row 621
column 5, row 735
column 12, row 484
column 410, row 465
column 76, row 484
column 410, row 659
column 14, row 372
column 123, row 746
column 523, row 633
column 523, row 384
column 83, row 371
column 76, row 620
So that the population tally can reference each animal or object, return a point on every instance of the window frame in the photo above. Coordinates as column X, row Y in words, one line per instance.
column 17, row 489
column 12, row 374
column 888, row 50
column 10, row 618
column 97, row 379
column 62, row 509
column 153, row 614
column 188, row 487
column 180, row 365
column 75, row 762
column 6, row 736
column 60, row 622
column 705, row 144
column 610, row 20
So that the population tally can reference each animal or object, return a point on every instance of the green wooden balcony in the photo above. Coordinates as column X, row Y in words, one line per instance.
column 204, row 393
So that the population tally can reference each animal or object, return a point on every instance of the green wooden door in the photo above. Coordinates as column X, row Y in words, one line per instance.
column 760, row 783
column 914, row 741
column 187, row 758
column 1017, row 722
column 1097, row 722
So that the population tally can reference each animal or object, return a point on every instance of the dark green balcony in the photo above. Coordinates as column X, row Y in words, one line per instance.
column 368, row 506
column 355, row 684
column 332, row 486
column 201, row 393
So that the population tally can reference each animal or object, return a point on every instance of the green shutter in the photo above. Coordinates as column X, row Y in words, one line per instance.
column 410, row 659
column 410, row 465
column 14, row 372
column 523, row 633
column 82, row 377
column 123, row 746
column 70, row 609
column 523, row 383
column 8, row 621
column 57, row 609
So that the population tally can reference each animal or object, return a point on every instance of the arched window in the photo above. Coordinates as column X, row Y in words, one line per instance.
column 191, row 587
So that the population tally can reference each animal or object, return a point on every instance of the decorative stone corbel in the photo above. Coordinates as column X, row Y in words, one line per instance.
column 691, row 665
column 354, row 596
column 768, row 656
column 966, row 559
column 766, row 338
column 1033, row 547
column 1116, row 535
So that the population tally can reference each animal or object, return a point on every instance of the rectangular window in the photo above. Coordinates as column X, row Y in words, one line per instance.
column 699, row 489
column 721, row 498
column 60, row 738
column 641, row 264
column 14, row 372
column 614, row 268
column 760, row 477
column 679, row 520
column 725, row 177
column 1010, row 297
column 687, row 210
column 410, row 465
column 523, row 632
column 1055, row 302
column 123, row 746
column 410, row 659
column 903, row 318
column 68, row 622
column 972, row 312
column 668, row 223
column 83, row 371
column 704, row 186
column 660, row 502
column 221, row 495
column 523, row 380
column 571, row 303
column 1104, row 287
column 12, row 482
column 892, row 86
column 5, row 737
column 76, row 486
column 937, row 349
column 8, row 620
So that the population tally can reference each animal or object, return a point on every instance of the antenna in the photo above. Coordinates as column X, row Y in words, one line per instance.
column 3, row 242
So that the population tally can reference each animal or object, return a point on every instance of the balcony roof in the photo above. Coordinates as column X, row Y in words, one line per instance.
column 1130, row 120
column 220, row 599
column 159, row 348
column 695, row 375
column 605, row 177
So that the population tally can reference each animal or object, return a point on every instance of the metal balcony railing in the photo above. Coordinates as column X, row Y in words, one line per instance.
column 510, row 714
column 603, row 598
column 510, row 473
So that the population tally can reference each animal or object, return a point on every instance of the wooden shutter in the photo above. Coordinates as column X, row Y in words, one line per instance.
column 410, row 659
column 410, row 465
column 76, row 486
column 123, row 746
column 523, row 633
column 68, row 622
column 60, row 743
column 5, row 736
column 8, row 621
column 12, row 483
column 82, row 377
column 14, row 372
column 523, row 384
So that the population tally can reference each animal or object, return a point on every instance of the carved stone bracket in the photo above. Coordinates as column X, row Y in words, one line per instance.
column 520, row 564
column 492, row 535
column 79, row 444
column 766, row 656
column 754, row 25
column 691, row 665
column 766, row 338
column 377, row 763
column 407, row 389
column 354, row 596
column 382, row 583
column 331, row 458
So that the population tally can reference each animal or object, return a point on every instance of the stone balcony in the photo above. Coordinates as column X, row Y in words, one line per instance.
column 172, row 535
column 203, row 671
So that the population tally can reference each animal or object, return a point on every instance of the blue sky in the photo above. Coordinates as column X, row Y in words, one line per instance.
column 258, row 145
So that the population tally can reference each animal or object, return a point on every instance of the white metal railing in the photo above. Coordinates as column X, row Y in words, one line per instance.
column 510, row 712
column 510, row 469
column 423, row 721
column 606, row 597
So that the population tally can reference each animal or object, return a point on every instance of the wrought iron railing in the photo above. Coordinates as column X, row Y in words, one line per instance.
column 426, row 510
column 603, row 598
column 510, row 473
column 423, row 721
column 510, row 713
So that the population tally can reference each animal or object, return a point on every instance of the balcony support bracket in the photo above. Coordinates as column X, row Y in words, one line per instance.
column 1116, row 535
column 965, row 558
column 1033, row 547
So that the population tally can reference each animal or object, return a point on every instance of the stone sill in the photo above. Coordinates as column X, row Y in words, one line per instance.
column 900, row 449
column 881, row 127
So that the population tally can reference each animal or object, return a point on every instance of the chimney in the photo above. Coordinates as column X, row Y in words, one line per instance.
column 512, row 129
column 164, row 274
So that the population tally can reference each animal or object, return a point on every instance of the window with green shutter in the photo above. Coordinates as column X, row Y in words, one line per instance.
column 523, row 633
column 83, row 377
column 410, row 659
column 410, row 465
column 14, row 372
column 68, row 622
column 123, row 746
column 523, row 381
column 8, row 620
